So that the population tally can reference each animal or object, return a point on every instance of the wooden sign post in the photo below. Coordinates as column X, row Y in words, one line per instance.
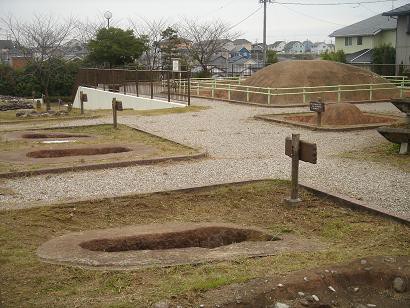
column 83, row 98
column 318, row 107
column 116, row 106
column 298, row 150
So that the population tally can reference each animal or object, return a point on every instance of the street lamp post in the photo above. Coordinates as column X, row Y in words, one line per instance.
column 108, row 16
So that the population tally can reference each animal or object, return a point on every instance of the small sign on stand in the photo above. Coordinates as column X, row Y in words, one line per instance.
column 298, row 150
column 83, row 99
column 116, row 106
column 318, row 107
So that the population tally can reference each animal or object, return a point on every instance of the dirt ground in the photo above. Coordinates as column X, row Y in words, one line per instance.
column 27, row 154
column 25, row 281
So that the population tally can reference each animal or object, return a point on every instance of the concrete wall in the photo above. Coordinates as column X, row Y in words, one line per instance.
column 403, row 41
column 100, row 99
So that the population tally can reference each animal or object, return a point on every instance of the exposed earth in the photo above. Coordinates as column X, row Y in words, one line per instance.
column 314, row 73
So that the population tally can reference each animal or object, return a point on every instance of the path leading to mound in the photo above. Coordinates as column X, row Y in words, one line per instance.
column 240, row 148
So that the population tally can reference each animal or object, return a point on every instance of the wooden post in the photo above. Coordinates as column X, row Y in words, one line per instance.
column 319, row 114
column 294, row 195
column 339, row 94
column 189, row 87
column 151, row 85
column 169, row 87
column 402, row 88
column 247, row 94
column 114, row 112
column 137, row 82
column 82, row 102
column 269, row 95
column 213, row 89
column 304, row 95
column 370, row 92
column 229, row 91
column 125, row 92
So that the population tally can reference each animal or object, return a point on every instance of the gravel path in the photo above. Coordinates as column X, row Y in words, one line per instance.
column 240, row 148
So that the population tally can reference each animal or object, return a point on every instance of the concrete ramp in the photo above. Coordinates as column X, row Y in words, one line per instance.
column 100, row 99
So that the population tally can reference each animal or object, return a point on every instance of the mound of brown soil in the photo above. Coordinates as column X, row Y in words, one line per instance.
column 341, row 114
column 314, row 73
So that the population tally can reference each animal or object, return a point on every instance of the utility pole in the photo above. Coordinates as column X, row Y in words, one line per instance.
column 264, row 28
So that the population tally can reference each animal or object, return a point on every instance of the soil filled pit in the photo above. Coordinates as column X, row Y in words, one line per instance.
column 76, row 152
column 51, row 135
column 208, row 237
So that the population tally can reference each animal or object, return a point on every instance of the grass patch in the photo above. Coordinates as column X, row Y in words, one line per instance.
column 102, row 135
column 386, row 153
column 29, row 282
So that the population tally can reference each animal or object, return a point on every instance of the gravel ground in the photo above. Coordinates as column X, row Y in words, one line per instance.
column 240, row 148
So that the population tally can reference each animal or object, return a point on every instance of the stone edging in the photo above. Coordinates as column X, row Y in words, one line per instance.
column 279, row 119
column 357, row 204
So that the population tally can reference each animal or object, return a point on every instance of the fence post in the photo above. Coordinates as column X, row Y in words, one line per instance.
column 189, row 87
column 304, row 95
column 151, row 85
column 213, row 88
column 169, row 87
column 125, row 91
column 339, row 94
column 269, row 94
column 136, row 82
column 401, row 88
column 370, row 92
column 229, row 91
column 197, row 88
column 247, row 94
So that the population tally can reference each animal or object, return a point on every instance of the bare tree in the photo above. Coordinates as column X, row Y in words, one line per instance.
column 41, row 40
column 204, row 39
column 154, row 32
column 87, row 30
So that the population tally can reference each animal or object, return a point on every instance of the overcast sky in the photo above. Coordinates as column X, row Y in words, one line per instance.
column 285, row 22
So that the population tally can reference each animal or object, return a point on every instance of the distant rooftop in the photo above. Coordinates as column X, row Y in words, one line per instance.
column 369, row 26
column 400, row 11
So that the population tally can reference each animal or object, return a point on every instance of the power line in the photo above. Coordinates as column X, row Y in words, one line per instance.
column 247, row 17
column 309, row 16
column 333, row 4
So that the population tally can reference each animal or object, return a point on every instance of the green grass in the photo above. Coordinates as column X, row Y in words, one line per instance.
column 26, row 281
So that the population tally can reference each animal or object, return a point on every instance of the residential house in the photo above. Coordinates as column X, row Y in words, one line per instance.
column 363, row 36
column 307, row 45
column 294, row 47
column 257, row 51
column 277, row 46
column 74, row 50
column 403, row 34
column 242, row 43
column 227, row 44
column 240, row 51
column 242, row 66
column 321, row 47
column 11, row 56
column 5, row 47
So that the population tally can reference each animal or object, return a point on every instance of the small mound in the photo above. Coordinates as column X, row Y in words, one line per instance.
column 315, row 73
column 341, row 114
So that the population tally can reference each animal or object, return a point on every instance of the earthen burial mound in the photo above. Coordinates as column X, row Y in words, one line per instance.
column 315, row 73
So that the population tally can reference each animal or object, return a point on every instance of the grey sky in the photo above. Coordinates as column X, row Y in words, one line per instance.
column 285, row 22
